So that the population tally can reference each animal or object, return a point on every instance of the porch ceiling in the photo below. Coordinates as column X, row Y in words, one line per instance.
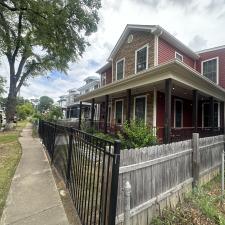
column 182, row 75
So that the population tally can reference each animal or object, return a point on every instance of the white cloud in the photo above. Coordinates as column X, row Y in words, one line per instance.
column 196, row 23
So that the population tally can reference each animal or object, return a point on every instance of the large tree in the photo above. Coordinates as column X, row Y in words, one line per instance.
column 40, row 36
column 45, row 103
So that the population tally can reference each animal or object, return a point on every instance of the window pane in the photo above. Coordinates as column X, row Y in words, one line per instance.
column 179, row 57
column 178, row 115
column 140, row 108
column 141, row 59
column 119, row 74
column 119, row 109
column 210, row 69
column 206, row 115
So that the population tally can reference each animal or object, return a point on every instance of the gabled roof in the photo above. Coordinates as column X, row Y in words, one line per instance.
column 105, row 67
column 154, row 29
column 211, row 49
column 91, row 78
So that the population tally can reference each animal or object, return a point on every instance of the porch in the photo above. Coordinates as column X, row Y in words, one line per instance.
column 173, row 99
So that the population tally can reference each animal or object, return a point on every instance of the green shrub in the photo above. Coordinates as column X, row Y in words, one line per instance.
column 106, row 137
column 137, row 134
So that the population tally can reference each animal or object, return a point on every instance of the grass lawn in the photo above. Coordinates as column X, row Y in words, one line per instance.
column 10, row 153
column 203, row 206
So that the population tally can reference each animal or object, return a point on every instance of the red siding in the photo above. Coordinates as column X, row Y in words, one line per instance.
column 167, row 52
column 187, row 113
column 212, row 54
column 108, row 75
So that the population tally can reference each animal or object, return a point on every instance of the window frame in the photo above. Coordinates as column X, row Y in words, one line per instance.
column 136, row 51
column 217, row 68
column 103, row 77
column 182, row 113
column 177, row 53
column 146, row 106
column 118, row 61
column 203, row 113
column 119, row 100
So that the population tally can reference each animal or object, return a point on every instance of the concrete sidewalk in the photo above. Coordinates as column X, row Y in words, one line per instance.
column 33, row 197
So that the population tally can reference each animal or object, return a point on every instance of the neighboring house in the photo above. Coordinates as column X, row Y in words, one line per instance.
column 152, row 76
column 62, row 104
column 73, row 106
column 91, row 83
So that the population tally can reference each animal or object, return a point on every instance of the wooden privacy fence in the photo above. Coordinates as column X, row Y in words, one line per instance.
column 159, row 175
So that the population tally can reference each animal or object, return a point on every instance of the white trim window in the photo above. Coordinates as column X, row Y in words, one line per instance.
column 206, row 114
column 120, row 67
column 210, row 69
column 179, row 56
column 178, row 113
column 103, row 80
column 119, row 111
column 140, row 108
column 141, row 58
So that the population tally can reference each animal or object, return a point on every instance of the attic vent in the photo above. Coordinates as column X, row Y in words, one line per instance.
column 130, row 38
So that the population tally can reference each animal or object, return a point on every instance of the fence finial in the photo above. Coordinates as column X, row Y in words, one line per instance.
column 127, row 192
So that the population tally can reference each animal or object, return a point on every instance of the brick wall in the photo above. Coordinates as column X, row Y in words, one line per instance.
column 212, row 54
column 127, row 51
column 167, row 52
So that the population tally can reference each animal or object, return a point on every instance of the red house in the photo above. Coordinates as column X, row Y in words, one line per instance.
column 150, row 75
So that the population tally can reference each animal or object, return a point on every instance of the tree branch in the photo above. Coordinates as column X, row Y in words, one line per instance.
column 22, row 79
column 20, row 67
column 18, row 36
column 2, row 3
column 6, row 28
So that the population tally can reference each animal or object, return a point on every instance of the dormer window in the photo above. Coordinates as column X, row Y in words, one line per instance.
column 103, row 81
column 141, row 59
column 179, row 56
column 120, row 69
column 210, row 69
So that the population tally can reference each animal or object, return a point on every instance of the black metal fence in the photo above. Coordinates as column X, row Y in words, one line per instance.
column 89, row 167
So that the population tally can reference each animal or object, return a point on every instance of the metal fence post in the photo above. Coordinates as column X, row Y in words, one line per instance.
column 127, row 191
column 69, row 156
column 114, row 183
column 52, row 145
column 195, row 159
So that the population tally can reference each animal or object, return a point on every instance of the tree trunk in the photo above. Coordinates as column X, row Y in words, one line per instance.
column 10, row 108
column 11, row 100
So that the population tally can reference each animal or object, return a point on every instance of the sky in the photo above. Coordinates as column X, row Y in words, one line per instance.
column 197, row 23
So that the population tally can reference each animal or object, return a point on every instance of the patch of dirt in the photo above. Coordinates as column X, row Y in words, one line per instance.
column 185, row 214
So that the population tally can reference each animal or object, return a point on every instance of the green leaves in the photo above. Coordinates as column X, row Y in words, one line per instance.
column 58, row 28
column 45, row 103
column 137, row 134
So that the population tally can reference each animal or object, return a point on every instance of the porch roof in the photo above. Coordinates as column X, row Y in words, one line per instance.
column 174, row 69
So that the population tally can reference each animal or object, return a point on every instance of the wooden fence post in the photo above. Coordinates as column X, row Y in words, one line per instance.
column 195, row 159
column 127, row 191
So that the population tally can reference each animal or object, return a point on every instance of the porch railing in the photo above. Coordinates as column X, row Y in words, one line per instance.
column 185, row 133
column 89, row 167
